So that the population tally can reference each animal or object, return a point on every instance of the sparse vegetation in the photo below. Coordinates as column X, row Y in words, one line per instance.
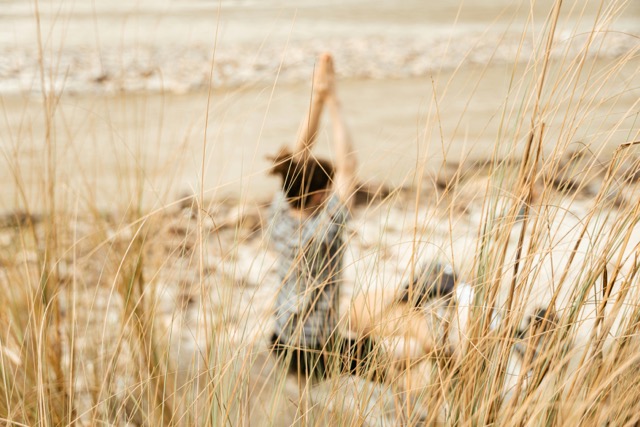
column 160, row 316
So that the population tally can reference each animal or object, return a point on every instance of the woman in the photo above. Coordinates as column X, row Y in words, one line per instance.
column 309, row 217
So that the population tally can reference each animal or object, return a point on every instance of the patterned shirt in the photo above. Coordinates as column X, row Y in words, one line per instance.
column 310, row 264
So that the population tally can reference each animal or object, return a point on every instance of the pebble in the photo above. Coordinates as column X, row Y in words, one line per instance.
column 246, row 216
column 6, row 237
column 26, row 257
column 123, row 235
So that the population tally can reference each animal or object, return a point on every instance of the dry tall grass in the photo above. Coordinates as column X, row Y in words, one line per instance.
column 160, row 317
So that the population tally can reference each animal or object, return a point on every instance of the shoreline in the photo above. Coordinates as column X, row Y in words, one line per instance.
column 187, row 69
column 168, row 46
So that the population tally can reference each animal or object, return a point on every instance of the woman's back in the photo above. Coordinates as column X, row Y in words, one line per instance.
column 310, row 266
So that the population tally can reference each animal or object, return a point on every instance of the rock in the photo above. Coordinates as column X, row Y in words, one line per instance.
column 26, row 257
column 6, row 237
column 124, row 234
column 246, row 217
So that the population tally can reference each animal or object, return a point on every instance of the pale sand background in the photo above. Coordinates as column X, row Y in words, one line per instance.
column 108, row 144
column 132, row 118
column 135, row 78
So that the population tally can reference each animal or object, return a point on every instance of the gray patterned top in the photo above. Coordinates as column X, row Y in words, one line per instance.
column 310, row 270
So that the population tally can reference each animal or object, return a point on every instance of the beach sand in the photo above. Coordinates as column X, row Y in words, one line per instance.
column 112, row 149
column 212, row 285
column 148, row 161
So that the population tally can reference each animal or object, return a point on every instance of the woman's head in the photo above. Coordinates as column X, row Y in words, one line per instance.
column 305, row 183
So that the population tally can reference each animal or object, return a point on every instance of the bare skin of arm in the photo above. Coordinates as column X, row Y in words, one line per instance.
column 324, row 93
column 322, row 82
column 344, row 179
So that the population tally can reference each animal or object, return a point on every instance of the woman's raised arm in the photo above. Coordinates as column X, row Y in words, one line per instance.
column 346, row 163
column 322, row 85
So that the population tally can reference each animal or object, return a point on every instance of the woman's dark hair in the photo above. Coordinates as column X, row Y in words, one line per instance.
column 300, row 180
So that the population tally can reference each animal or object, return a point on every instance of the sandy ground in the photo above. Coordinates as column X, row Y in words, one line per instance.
column 114, row 148
column 103, row 46
column 232, row 278
column 130, row 132
column 421, row 82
